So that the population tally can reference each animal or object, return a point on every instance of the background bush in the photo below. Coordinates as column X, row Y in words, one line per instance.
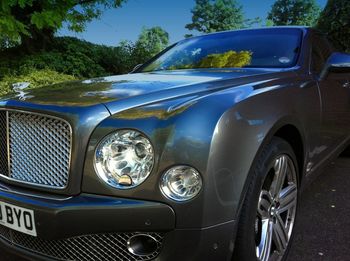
column 36, row 78
column 66, row 55
column 65, row 58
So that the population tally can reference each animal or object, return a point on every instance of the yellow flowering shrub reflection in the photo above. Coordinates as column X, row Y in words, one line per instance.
column 226, row 60
column 230, row 59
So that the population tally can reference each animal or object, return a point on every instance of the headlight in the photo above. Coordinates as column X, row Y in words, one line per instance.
column 181, row 183
column 124, row 159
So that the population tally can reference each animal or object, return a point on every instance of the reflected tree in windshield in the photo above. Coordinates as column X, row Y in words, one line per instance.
column 226, row 60
column 247, row 48
column 230, row 59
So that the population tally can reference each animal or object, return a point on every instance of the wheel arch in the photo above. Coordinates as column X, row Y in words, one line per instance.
column 288, row 129
column 292, row 135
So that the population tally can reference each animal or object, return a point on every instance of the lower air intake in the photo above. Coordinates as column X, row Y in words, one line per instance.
column 97, row 247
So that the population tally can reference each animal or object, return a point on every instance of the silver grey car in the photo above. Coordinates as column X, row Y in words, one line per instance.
column 199, row 154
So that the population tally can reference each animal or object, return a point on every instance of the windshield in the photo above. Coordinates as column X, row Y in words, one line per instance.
column 268, row 48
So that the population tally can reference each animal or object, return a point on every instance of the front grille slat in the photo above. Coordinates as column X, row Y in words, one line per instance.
column 39, row 148
column 95, row 247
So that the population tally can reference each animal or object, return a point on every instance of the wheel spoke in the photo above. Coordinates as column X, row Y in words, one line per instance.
column 264, row 205
column 280, row 236
column 281, row 168
column 264, row 248
column 287, row 198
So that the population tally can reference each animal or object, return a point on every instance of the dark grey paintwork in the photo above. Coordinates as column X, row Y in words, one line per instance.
column 215, row 120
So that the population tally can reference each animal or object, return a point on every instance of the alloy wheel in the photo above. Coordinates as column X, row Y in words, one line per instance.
column 276, row 210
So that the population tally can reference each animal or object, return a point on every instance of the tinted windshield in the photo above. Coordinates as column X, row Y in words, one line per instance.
column 277, row 48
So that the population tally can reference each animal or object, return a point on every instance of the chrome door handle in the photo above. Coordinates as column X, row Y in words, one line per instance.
column 346, row 85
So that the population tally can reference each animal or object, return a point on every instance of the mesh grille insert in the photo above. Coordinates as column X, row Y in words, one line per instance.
column 39, row 148
column 96, row 247
column 3, row 144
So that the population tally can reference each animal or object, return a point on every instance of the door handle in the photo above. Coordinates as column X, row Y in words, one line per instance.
column 346, row 85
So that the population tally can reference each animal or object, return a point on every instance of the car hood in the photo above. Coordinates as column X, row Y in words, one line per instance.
column 108, row 90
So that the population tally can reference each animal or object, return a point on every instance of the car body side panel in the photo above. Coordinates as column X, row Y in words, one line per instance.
column 336, row 108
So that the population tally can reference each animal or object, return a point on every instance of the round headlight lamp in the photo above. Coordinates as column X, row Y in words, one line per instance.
column 124, row 159
column 181, row 183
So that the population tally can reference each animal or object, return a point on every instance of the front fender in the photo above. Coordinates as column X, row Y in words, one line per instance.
column 219, row 134
column 181, row 131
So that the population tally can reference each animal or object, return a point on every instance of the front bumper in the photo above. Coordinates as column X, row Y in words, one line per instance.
column 59, row 218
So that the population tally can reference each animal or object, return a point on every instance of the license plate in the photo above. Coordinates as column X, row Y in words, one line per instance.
column 17, row 218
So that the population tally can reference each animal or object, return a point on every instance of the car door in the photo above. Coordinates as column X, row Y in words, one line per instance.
column 335, row 96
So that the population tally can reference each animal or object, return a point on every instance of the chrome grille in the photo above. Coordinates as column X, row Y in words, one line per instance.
column 96, row 247
column 5, row 233
column 3, row 144
column 38, row 149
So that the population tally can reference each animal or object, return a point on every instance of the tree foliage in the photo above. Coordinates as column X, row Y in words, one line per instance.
column 69, row 55
column 35, row 79
column 216, row 15
column 335, row 21
column 33, row 22
column 150, row 42
column 230, row 59
column 294, row 12
column 66, row 55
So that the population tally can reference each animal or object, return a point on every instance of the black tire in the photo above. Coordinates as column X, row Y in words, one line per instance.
column 245, row 244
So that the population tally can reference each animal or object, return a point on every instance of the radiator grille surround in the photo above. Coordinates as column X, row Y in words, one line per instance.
column 95, row 247
column 3, row 144
column 35, row 149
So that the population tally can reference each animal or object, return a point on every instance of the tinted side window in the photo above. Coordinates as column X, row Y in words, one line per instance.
column 321, row 51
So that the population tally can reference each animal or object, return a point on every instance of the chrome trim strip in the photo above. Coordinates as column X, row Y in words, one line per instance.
column 8, row 144
column 132, row 250
column 332, row 154
column 8, row 178
column 36, row 196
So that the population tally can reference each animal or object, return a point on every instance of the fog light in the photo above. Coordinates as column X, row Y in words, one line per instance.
column 181, row 183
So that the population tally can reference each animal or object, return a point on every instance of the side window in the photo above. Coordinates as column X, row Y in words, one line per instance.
column 321, row 51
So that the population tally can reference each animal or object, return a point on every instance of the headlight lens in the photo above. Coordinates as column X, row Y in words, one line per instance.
column 124, row 159
column 181, row 183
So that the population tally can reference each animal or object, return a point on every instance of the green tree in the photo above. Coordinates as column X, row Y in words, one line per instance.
column 34, row 22
column 216, row 15
column 335, row 21
column 125, row 60
column 151, row 41
column 294, row 12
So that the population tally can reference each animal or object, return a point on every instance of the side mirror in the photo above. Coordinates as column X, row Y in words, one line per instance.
column 136, row 67
column 337, row 62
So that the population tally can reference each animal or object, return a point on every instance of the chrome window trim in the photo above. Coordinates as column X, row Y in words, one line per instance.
column 7, row 178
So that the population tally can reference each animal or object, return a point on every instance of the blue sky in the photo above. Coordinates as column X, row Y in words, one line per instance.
column 126, row 23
